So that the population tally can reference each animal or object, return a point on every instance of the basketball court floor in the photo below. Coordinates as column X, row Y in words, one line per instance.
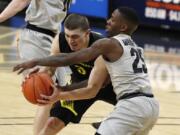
column 16, row 114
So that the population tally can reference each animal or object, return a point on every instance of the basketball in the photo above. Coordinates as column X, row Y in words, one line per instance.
column 35, row 85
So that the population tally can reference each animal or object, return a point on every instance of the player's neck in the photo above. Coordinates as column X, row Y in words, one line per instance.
column 86, row 45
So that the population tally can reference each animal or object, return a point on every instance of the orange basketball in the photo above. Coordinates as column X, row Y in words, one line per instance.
column 36, row 84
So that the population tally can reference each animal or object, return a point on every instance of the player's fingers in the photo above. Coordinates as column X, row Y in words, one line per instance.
column 20, row 71
column 45, row 97
column 34, row 71
column 27, row 76
column 42, row 102
column 23, row 80
column 54, row 86
column 15, row 68
column 22, row 83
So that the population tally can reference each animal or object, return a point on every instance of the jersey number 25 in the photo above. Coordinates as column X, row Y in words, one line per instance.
column 138, row 59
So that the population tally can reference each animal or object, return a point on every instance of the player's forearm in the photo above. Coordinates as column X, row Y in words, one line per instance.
column 53, row 61
column 66, row 59
column 78, row 94
column 13, row 8
column 75, row 86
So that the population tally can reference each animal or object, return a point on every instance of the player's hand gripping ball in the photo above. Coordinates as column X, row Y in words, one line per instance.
column 35, row 85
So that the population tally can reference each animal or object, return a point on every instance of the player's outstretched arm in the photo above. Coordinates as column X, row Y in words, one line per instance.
column 100, row 47
column 13, row 8
column 54, row 51
column 97, row 77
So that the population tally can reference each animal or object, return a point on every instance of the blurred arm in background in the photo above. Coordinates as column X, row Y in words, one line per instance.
column 13, row 8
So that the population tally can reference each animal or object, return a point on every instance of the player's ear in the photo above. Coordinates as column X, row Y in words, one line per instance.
column 123, row 27
column 88, row 31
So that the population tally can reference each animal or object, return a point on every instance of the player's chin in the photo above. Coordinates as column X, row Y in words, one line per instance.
column 74, row 48
column 108, row 28
column 108, row 33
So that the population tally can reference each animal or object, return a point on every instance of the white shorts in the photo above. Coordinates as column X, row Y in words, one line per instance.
column 134, row 116
column 33, row 44
column 63, row 75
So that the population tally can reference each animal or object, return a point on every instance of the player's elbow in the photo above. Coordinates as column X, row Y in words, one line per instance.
column 93, row 90
column 21, row 5
column 87, row 55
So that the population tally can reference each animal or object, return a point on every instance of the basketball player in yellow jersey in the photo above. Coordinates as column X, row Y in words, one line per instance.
column 43, row 19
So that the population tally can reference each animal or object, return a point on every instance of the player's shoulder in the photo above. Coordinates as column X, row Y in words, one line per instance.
column 125, row 40
column 62, row 34
column 62, row 37
column 63, row 45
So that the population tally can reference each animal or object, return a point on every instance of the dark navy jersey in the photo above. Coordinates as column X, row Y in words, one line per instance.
column 82, row 70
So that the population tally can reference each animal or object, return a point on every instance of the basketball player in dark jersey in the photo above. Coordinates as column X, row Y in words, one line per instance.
column 76, row 36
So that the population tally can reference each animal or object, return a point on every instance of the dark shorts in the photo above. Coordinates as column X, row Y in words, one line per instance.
column 72, row 111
